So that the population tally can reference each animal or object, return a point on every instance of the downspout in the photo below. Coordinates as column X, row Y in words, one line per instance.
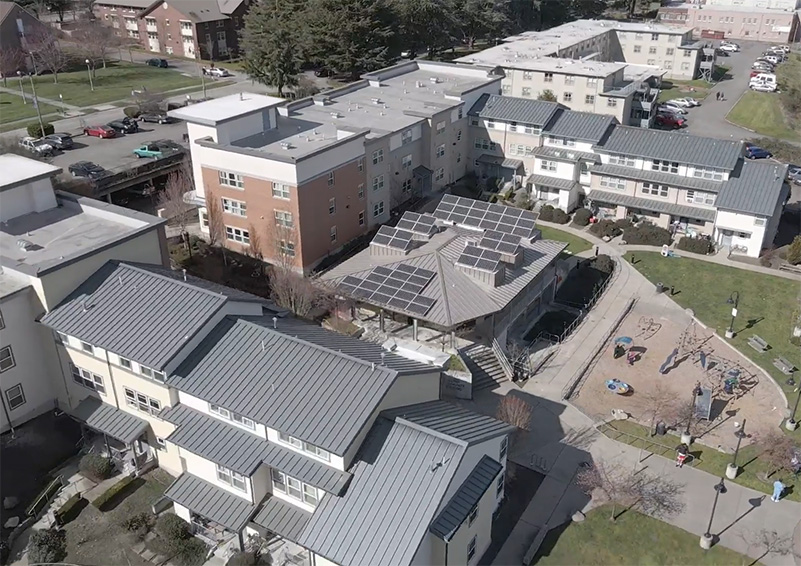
column 8, row 416
column 63, row 377
column 446, row 553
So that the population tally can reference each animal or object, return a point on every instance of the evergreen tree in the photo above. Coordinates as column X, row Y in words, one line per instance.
column 425, row 23
column 480, row 19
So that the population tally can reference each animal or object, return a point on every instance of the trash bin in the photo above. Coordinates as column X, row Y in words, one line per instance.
column 660, row 288
column 661, row 428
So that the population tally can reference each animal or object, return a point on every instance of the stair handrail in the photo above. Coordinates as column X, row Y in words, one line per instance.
column 502, row 359
column 45, row 495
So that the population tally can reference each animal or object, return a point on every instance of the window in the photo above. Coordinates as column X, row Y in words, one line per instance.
column 378, row 183
column 310, row 494
column 459, row 135
column 407, row 186
column 88, row 379
column 378, row 156
column 219, row 411
column 220, row 24
column 15, row 396
column 88, row 348
column 654, row 37
column 548, row 165
column 532, row 129
column 623, row 160
column 281, row 191
column 669, row 51
column 332, row 206
column 484, row 144
column 499, row 486
column 458, row 158
column 124, row 362
column 567, row 96
column 221, row 36
column 153, row 374
column 472, row 517
column 613, row 183
column 439, row 174
column 286, row 248
column 231, row 478
column 361, row 218
column 361, row 191
column 698, row 197
column 283, row 219
column 6, row 359
column 204, row 218
column 360, row 164
column 161, row 442
column 142, row 402
column 525, row 91
column 235, row 207
column 688, row 53
column 440, row 150
column 655, row 190
column 592, row 81
column 708, row 173
column 548, row 78
column 668, row 64
column 527, row 75
column 759, row 221
column 490, row 124
column 637, row 48
column 406, row 161
column 330, row 178
column 652, row 51
column 666, row 166
column 471, row 549
column 651, row 62
column 378, row 208
column 570, row 80
column 304, row 446
column 685, row 66
column 589, row 99
column 237, row 235
column 231, row 416
column 333, row 234
column 231, row 180
column 473, row 121
column 611, row 102
column 506, row 89
column 440, row 127
column 406, row 137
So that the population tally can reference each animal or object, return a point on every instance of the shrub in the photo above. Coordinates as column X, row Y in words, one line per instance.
column 560, row 216
column 47, row 546
column 794, row 251
column 603, row 263
column 606, row 228
column 139, row 523
column 582, row 217
column 69, row 510
column 107, row 496
column 546, row 213
column 96, row 467
column 172, row 528
column 131, row 111
column 646, row 234
column 189, row 552
column 696, row 245
column 243, row 558
column 35, row 130
column 624, row 223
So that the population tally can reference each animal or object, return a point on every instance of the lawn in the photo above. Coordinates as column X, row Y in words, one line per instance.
column 762, row 113
column 634, row 539
column 707, row 459
column 576, row 245
column 111, row 84
column 766, row 307
column 12, row 108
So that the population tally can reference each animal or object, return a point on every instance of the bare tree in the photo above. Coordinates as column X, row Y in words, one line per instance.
column 255, row 241
column 11, row 61
column 171, row 200
column 777, row 451
column 657, row 496
column 661, row 404
column 46, row 52
column 214, row 216
column 515, row 411
column 95, row 40
column 770, row 542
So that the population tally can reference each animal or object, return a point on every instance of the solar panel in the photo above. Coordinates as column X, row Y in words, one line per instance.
column 478, row 258
column 423, row 224
column 393, row 238
column 500, row 242
column 398, row 287
column 487, row 216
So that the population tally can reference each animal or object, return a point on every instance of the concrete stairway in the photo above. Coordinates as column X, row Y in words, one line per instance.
column 485, row 367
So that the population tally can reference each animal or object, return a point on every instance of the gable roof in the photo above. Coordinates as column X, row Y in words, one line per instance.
column 318, row 395
column 673, row 146
column 200, row 11
column 584, row 126
column 511, row 109
column 211, row 501
column 754, row 188
column 138, row 312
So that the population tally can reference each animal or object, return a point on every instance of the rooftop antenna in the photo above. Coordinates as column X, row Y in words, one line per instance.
column 372, row 366
column 275, row 322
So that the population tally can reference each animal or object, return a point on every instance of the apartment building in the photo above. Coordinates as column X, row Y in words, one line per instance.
column 48, row 242
column 768, row 22
column 206, row 383
column 205, row 29
column 307, row 177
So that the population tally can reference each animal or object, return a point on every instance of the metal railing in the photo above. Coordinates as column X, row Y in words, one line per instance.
column 502, row 359
column 46, row 496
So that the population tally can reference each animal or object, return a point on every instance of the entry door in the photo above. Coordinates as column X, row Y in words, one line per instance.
column 726, row 237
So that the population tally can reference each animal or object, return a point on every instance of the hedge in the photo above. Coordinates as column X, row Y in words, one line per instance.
column 96, row 467
column 560, row 216
column 606, row 228
column 696, row 245
column 172, row 528
column 646, row 234
column 546, row 213
column 105, row 497
column 582, row 217
column 35, row 130
column 69, row 510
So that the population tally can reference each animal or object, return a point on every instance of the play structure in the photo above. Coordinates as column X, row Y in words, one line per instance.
column 647, row 328
column 617, row 386
column 689, row 344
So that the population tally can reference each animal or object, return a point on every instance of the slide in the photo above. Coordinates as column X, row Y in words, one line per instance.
column 669, row 361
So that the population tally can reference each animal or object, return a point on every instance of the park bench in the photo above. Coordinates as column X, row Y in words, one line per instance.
column 758, row 343
column 783, row 366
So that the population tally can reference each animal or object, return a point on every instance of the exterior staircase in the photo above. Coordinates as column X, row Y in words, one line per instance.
column 487, row 370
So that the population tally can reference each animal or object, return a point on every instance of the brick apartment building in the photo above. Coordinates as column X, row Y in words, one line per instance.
column 208, row 29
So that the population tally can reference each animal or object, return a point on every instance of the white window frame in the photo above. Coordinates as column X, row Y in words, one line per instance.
column 440, row 150
column 238, row 235
column 286, row 248
column 504, row 447
column 283, row 219
column 471, row 549
column 471, row 518
column 333, row 234
column 525, row 91
column 611, row 102
column 360, row 164
column 655, row 189
column 331, row 179
column 332, row 206
column 406, row 161
column 281, row 190
column 232, row 416
column 378, row 208
column 664, row 166
column 87, row 379
column 700, row 197
column 708, row 173
column 361, row 218
column 614, row 183
column 378, row 182
column 378, row 156
column 235, row 207
column 153, row 374
column 589, row 99
column 228, row 179
column 622, row 160
column 361, row 191
column 406, row 137
column 141, row 402
column 6, row 359
column 759, row 222
column 304, row 446
column 439, row 174
column 499, row 485
column 125, row 363
column 440, row 127
column 232, row 478
column 546, row 165
column 87, row 348
column 406, row 186
column 13, row 393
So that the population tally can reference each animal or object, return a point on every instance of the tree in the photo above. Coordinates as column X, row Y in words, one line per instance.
column 11, row 61
column 777, row 451
column 46, row 52
column 47, row 546
column 515, row 411
column 214, row 216
column 297, row 293
column 349, row 36
column 547, row 95
column 480, row 19
column 427, row 23
column 661, row 404
column 769, row 542
column 60, row 7
column 255, row 241
column 794, row 251
column 587, row 9
column 171, row 200
column 94, row 41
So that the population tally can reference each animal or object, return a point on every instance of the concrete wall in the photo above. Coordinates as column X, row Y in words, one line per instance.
column 36, row 196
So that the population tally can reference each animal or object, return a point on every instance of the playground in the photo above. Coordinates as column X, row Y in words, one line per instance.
column 662, row 366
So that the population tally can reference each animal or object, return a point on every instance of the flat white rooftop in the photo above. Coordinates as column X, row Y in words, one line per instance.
column 10, row 283
column 294, row 138
column 18, row 169
column 520, row 56
column 225, row 108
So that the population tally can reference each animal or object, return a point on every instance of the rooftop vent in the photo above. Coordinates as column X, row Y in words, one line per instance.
column 375, row 100
column 336, row 115
column 26, row 245
column 418, row 84
column 286, row 145
column 434, row 80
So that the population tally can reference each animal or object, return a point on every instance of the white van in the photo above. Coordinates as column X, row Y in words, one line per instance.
column 763, row 78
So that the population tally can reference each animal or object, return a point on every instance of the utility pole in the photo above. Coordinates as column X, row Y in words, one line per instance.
column 36, row 105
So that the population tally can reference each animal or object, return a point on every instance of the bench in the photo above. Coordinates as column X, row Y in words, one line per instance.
column 758, row 344
column 784, row 366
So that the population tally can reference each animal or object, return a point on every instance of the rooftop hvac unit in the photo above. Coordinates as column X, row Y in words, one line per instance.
column 286, row 145
column 434, row 80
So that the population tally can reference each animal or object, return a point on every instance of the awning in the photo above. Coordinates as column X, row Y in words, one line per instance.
column 282, row 518
column 214, row 503
column 422, row 171
column 628, row 201
column 555, row 182
column 500, row 161
column 109, row 420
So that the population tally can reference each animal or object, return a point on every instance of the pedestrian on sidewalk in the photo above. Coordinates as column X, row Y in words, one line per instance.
column 682, row 450
column 596, row 251
column 717, row 96
column 778, row 489
column 722, row 96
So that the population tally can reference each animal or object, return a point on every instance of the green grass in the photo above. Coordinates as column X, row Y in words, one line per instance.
column 111, row 84
column 762, row 113
column 767, row 302
column 576, row 243
column 12, row 108
column 634, row 539
column 752, row 469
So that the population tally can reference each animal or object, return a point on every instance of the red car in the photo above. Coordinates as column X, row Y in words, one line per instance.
column 670, row 121
column 100, row 131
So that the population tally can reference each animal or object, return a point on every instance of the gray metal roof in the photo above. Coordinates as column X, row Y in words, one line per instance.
column 109, row 420
column 755, row 188
column 673, row 146
column 306, row 469
column 466, row 498
column 564, row 154
column 503, row 162
column 658, row 177
column 583, row 126
column 317, row 395
column 210, row 501
column 510, row 109
column 136, row 312
column 654, row 205
column 282, row 518
column 555, row 182
column 399, row 482
column 453, row 421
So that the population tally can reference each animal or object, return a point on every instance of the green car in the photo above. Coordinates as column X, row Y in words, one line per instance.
column 148, row 150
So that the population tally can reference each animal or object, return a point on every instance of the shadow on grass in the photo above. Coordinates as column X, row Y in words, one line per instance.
column 123, row 494
column 549, row 543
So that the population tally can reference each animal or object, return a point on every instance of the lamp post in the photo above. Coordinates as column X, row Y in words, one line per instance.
column 791, row 423
column 35, row 103
column 707, row 539
column 734, row 299
column 686, row 437
column 89, row 71
column 739, row 432
column 21, row 90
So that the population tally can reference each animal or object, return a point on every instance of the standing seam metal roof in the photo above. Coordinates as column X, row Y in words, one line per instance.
column 658, row 177
column 110, row 420
column 282, row 518
column 510, row 109
column 583, row 126
column 706, row 214
column 210, row 501
column 754, row 188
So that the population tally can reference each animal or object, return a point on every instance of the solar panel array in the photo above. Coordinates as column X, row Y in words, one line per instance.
column 487, row 216
column 477, row 258
column 500, row 242
column 418, row 223
column 398, row 287
column 394, row 238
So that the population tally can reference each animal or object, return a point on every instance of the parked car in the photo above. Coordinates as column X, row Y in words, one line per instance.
column 59, row 140
column 670, row 120
column 126, row 125
column 794, row 174
column 86, row 169
column 692, row 102
column 730, row 47
column 770, row 59
column 675, row 107
column 216, row 72
column 148, row 150
column 156, row 118
column 680, row 102
column 323, row 72
column 100, row 131
column 765, row 62
column 155, row 62
column 37, row 146
column 762, row 87
column 755, row 152
column 721, row 52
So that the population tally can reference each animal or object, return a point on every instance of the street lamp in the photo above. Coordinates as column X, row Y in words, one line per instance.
column 734, row 299
column 89, row 70
column 686, row 437
column 791, row 423
column 739, row 432
column 707, row 539
column 21, row 90
column 35, row 102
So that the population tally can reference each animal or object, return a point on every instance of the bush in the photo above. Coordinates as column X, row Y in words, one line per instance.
column 794, row 251
column 249, row 559
column 546, row 213
column 47, row 546
column 603, row 263
column 606, row 228
column 107, row 496
column 582, row 217
column 131, row 111
column 560, row 216
column 646, row 234
column 69, row 510
column 624, row 223
column 696, row 245
column 35, row 130
column 96, row 467
column 139, row 523
column 189, row 552
column 172, row 528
